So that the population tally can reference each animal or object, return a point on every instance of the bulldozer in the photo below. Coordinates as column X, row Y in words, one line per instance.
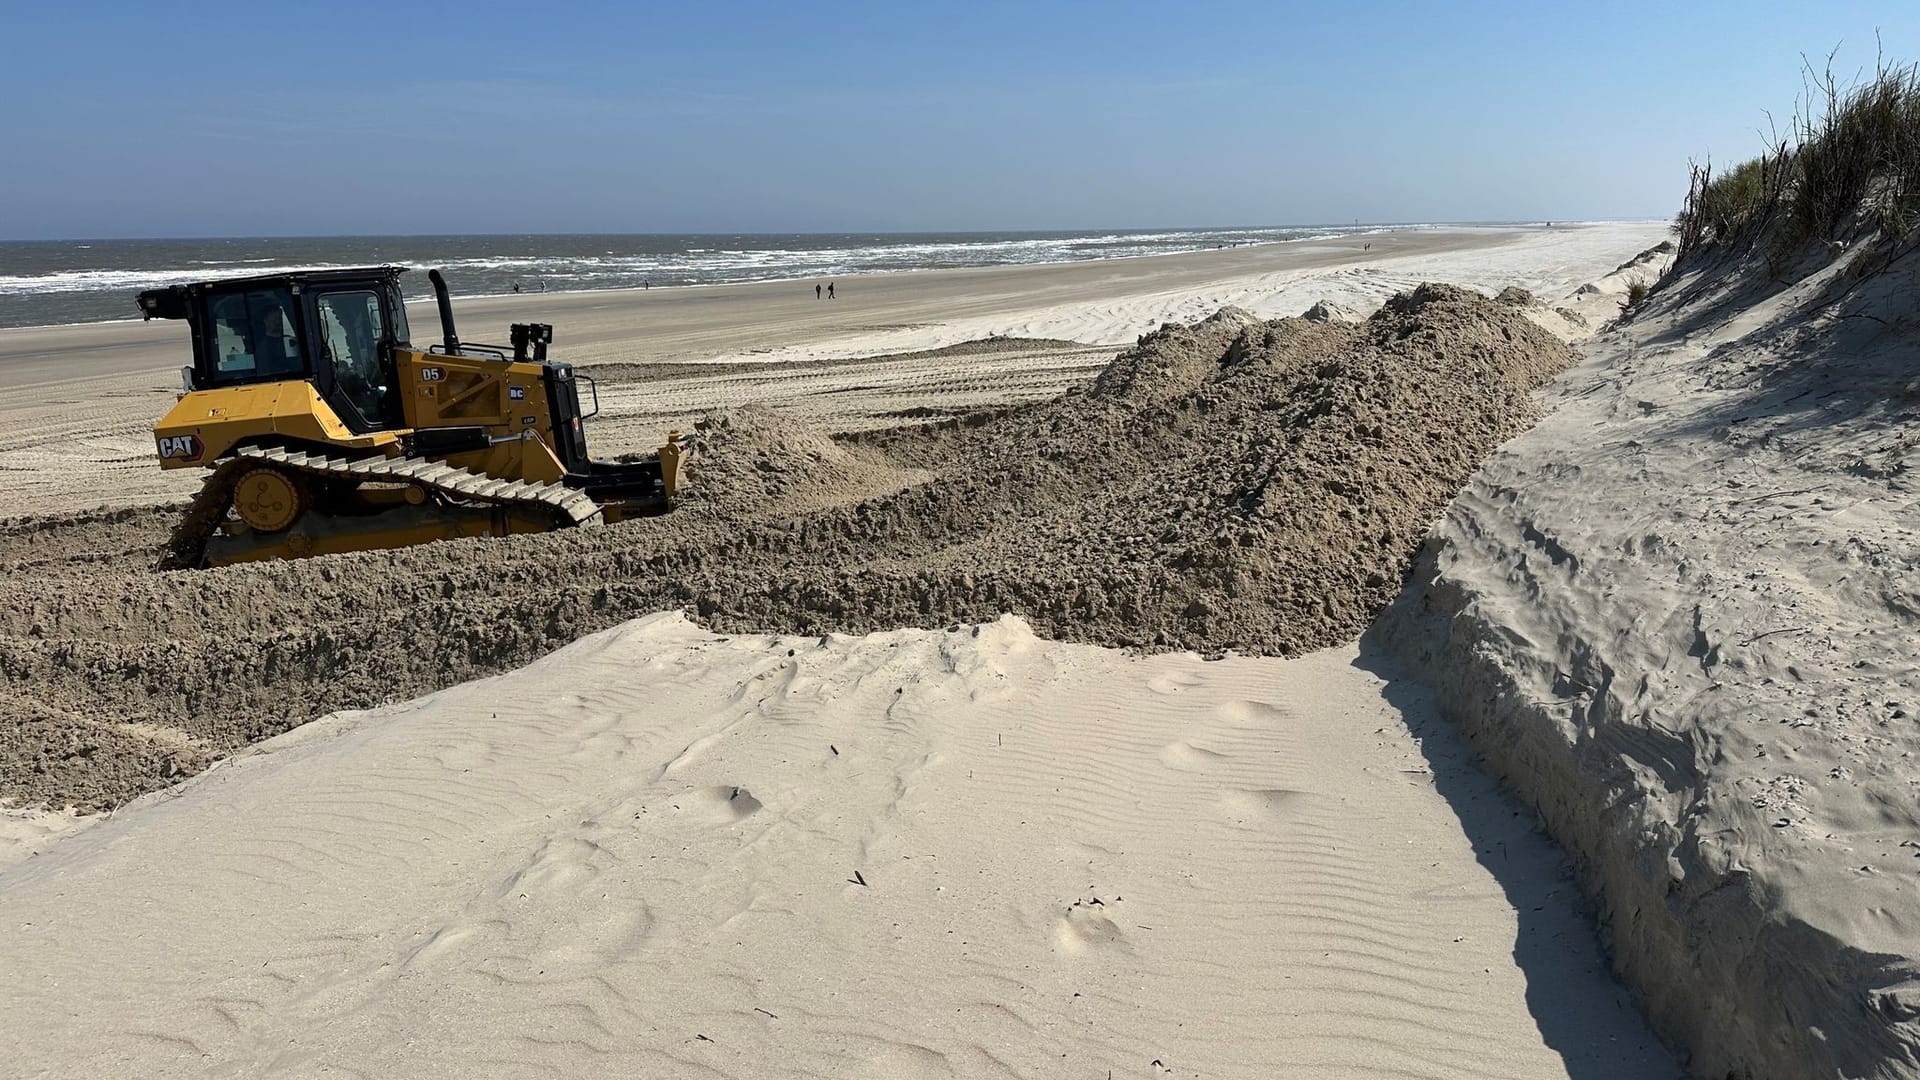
column 326, row 430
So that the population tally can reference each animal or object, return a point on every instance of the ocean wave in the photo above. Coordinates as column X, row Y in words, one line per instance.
column 68, row 281
column 77, row 283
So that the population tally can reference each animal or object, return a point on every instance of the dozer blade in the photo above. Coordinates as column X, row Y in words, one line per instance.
column 641, row 487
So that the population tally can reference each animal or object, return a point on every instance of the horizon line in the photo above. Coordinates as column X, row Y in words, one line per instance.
column 1482, row 223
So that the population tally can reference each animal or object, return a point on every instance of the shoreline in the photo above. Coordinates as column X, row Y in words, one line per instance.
column 411, row 267
column 682, row 323
column 1377, row 230
column 81, row 400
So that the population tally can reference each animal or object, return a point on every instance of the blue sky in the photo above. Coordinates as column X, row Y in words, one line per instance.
column 145, row 119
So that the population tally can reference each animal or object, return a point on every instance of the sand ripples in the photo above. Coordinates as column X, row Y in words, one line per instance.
column 921, row 853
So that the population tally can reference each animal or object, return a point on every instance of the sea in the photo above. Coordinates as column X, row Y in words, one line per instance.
column 77, row 281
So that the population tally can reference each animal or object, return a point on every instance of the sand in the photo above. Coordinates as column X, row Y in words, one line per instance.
column 79, row 404
column 967, row 852
column 963, row 849
column 1231, row 485
column 1679, row 616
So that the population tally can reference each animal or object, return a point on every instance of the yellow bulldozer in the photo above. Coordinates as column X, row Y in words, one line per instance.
column 327, row 430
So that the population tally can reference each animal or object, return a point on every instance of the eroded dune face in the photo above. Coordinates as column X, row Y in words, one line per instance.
column 964, row 852
column 1680, row 617
column 1230, row 485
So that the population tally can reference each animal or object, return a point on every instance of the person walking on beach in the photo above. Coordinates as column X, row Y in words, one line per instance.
column 829, row 290
column 816, row 292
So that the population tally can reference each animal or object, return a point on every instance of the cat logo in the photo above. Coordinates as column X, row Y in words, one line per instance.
column 184, row 447
column 432, row 374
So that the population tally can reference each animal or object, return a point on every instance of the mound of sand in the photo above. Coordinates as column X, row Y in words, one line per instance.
column 1230, row 485
column 752, row 459
column 1328, row 311
column 1679, row 616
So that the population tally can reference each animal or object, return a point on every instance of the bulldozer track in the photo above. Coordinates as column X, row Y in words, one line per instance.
column 187, row 545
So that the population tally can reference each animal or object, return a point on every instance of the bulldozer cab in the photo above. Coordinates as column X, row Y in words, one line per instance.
column 337, row 329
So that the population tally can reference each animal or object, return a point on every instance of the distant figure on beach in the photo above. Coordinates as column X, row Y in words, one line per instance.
column 816, row 292
column 645, row 284
column 516, row 286
column 829, row 290
column 1366, row 247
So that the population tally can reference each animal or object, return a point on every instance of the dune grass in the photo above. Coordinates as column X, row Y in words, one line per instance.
column 1852, row 154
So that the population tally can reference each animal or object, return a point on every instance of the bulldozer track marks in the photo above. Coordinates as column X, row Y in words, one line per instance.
column 187, row 547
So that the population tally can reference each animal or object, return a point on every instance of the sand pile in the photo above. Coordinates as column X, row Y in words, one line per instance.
column 1232, row 484
column 1679, row 616
column 1328, row 311
column 754, row 457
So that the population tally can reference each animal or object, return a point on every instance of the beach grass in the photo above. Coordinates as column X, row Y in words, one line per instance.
column 1852, row 154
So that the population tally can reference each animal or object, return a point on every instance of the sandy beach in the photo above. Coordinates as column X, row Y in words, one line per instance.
column 716, row 322
column 80, row 402
column 1009, row 697
column 967, row 852
column 965, row 849
column 770, row 542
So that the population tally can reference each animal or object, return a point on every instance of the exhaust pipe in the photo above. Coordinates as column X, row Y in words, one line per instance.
column 448, row 337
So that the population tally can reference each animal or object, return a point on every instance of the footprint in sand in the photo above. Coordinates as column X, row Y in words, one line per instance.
column 1087, row 927
column 1252, row 714
column 1186, row 756
column 448, row 944
column 693, row 752
column 1173, row 682
column 1260, row 804
column 561, row 864
column 904, row 1061
column 602, row 746
column 723, row 804
column 586, row 938
column 559, row 915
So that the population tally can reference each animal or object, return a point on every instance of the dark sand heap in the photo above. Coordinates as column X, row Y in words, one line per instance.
column 1230, row 485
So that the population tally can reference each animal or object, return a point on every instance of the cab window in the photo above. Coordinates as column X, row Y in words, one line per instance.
column 351, row 330
column 254, row 335
column 399, row 329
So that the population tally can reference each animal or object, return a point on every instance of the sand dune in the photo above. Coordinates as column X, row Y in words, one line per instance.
column 966, row 852
column 1680, row 616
